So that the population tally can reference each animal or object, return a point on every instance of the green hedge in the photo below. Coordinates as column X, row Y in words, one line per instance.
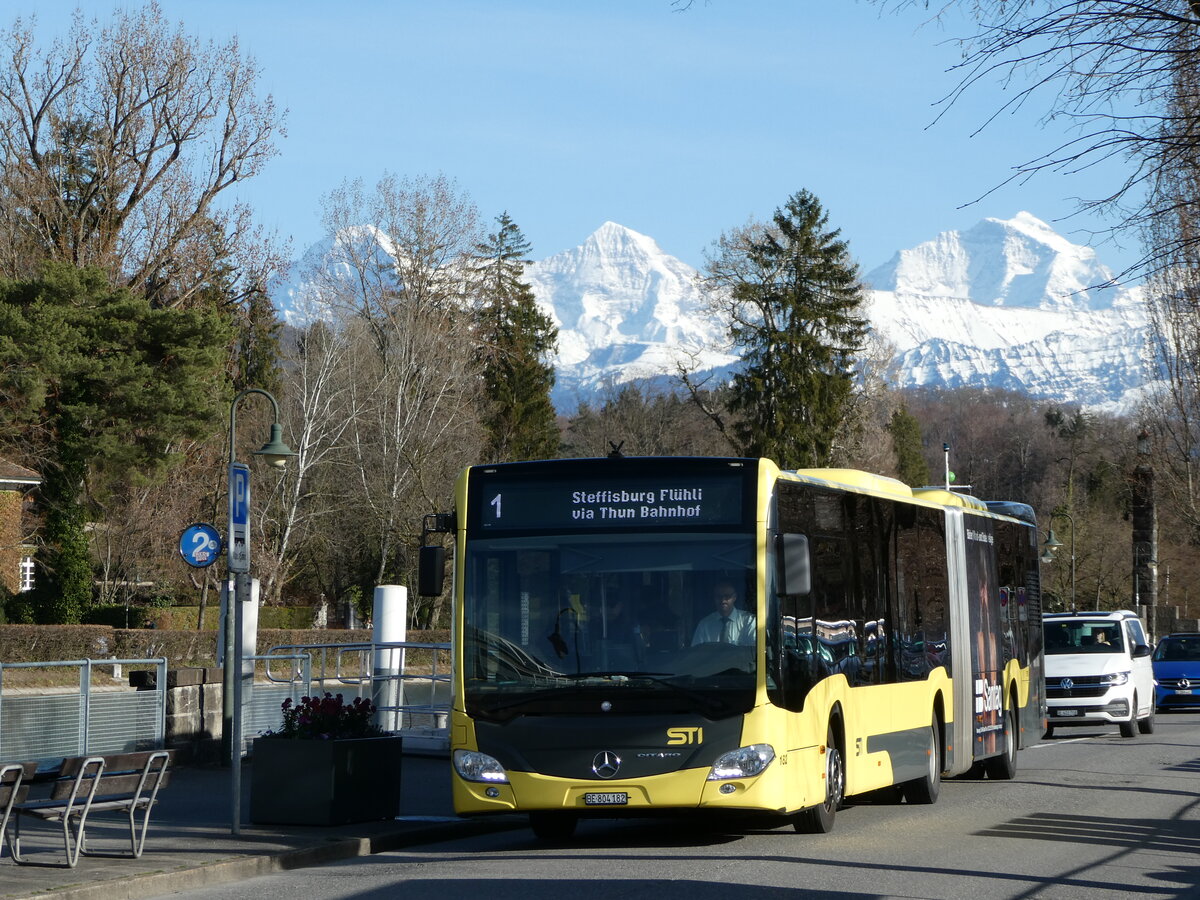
column 182, row 618
column 49, row 643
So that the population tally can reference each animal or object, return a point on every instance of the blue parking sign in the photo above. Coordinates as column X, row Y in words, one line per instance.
column 239, row 518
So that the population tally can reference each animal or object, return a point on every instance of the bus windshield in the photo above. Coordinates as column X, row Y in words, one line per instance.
column 660, row 621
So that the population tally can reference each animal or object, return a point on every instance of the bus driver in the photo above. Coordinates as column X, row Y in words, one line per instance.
column 726, row 624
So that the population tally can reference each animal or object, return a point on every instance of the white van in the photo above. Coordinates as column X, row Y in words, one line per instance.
column 1098, row 671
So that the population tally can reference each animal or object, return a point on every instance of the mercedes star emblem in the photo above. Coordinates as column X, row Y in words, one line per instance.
column 606, row 764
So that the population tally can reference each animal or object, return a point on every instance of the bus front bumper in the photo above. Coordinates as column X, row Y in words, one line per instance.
column 688, row 789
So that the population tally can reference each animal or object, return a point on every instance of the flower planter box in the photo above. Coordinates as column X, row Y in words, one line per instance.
column 315, row 782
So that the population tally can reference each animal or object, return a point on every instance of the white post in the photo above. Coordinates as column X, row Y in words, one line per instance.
column 249, row 626
column 249, row 640
column 390, row 617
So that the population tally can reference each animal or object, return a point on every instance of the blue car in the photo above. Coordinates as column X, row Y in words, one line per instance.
column 1176, row 664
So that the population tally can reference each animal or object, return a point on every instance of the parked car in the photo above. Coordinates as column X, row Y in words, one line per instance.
column 1176, row 664
column 1098, row 671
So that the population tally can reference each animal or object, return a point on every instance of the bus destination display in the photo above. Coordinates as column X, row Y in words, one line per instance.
column 640, row 502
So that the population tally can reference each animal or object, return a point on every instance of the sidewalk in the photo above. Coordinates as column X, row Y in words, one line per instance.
column 191, row 843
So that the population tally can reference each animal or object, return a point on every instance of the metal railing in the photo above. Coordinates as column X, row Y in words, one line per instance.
column 408, row 682
column 46, row 723
column 262, row 701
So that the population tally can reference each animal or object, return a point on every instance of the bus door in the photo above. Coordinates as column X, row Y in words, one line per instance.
column 961, row 737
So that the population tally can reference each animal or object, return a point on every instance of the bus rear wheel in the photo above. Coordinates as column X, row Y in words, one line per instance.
column 553, row 826
column 1004, row 766
column 819, row 819
column 926, row 788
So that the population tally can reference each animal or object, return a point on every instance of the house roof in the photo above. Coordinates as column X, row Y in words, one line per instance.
column 16, row 478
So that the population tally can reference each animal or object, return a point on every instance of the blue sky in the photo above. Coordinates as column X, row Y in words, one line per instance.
column 680, row 125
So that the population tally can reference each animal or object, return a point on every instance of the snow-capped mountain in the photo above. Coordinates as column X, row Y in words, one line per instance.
column 1011, row 303
column 625, row 311
column 1007, row 303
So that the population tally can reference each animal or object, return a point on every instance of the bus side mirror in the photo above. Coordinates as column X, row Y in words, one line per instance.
column 795, row 564
column 431, row 562
column 431, row 571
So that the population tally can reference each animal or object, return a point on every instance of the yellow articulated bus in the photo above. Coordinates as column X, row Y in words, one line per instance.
column 655, row 636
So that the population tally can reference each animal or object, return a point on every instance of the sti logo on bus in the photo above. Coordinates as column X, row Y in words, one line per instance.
column 988, row 697
column 685, row 736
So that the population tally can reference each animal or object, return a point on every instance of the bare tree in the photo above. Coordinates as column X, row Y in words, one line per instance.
column 1109, row 66
column 137, row 522
column 643, row 420
column 318, row 408
column 865, row 439
column 1171, row 411
column 117, row 141
column 397, row 285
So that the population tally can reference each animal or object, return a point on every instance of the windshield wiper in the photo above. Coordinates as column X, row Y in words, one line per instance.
column 614, row 673
column 570, row 683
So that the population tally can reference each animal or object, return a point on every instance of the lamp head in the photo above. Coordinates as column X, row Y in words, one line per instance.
column 275, row 451
column 1050, row 547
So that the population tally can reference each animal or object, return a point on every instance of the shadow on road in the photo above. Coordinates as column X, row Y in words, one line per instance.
column 1158, row 835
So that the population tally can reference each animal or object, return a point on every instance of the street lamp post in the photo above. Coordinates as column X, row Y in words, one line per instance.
column 276, row 453
column 1052, row 544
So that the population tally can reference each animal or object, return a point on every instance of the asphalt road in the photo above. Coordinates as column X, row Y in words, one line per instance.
column 1090, row 815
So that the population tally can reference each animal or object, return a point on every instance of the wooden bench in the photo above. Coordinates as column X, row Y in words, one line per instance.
column 120, row 783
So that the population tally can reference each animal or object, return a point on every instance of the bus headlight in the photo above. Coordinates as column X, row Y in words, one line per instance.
column 744, row 762
column 472, row 765
column 1115, row 678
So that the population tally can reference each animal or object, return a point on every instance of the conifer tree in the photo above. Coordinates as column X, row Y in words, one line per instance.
column 516, row 339
column 793, row 296
column 258, row 344
column 910, row 457
column 99, row 388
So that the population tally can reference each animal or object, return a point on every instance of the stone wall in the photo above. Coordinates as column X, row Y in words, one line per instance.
column 194, row 715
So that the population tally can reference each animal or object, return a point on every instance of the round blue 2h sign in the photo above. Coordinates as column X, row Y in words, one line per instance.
column 200, row 545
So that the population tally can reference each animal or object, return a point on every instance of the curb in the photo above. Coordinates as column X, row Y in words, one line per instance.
column 140, row 887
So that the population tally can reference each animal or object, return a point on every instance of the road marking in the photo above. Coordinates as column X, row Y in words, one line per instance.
column 1060, row 741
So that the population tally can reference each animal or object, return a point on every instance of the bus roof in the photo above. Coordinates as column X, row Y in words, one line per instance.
column 949, row 498
column 863, row 481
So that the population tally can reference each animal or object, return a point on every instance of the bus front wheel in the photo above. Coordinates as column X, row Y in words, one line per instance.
column 819, row 819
